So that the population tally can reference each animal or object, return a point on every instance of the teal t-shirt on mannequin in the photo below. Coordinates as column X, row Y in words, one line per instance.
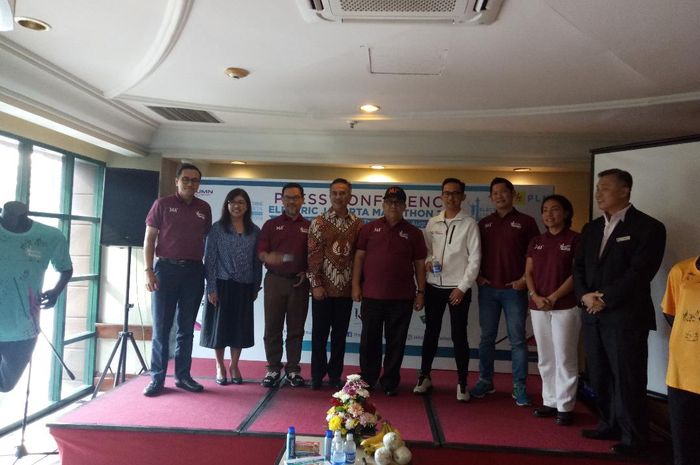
column 24, row 258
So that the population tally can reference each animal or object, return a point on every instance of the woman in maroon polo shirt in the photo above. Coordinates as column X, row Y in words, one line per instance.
column 556, row 318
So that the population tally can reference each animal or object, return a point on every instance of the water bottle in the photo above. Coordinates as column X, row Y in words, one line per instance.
column 350, row 449
column 327, row 441
column 337, row 449
column 291, row 443
column 435, row 266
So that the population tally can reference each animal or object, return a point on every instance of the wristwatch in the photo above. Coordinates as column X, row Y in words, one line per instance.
column 420, row 291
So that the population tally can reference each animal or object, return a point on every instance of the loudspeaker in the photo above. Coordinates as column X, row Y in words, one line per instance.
column 128, row 196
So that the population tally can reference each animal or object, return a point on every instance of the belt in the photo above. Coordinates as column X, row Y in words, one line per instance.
column 283, row 275
column 174, row 261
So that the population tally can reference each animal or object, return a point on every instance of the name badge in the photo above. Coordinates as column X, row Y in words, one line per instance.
column 623, row 238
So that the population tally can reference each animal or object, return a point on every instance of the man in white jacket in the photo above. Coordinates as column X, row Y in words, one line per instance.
column 452, row 266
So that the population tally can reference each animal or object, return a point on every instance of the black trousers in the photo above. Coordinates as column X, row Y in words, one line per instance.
column 392, row 318
column 684, row 412
column 330, row 315
column 616, row 360
column 14, row 357
column 436, row 299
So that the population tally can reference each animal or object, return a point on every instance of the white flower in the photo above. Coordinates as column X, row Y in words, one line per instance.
column 363, row 393
column 354, row 377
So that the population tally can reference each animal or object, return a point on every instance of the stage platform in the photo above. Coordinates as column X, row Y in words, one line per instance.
column 246, row 424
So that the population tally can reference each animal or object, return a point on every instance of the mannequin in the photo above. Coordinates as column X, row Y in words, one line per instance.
column 27, row 249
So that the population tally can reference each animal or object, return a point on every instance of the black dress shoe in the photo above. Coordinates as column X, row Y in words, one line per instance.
column 564, row 418
column 153, row 389
column 315, row 384
column 391, row 392
column 604, row 435
column 237, row 380
column 222, row 381
column 336, row 383
column 628, row 449
column 544, row 412
column 188, row 384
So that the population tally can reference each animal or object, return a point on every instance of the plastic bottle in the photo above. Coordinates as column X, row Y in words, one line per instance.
column 291, row 443
column 435, row 266
column 327, row 441
column 350, row 449
column 337, row 449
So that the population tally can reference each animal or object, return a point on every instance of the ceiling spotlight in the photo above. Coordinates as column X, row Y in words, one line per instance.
column 33, row 24
column 377, row 167
column 237, row 162
column 522, row 170
column 236, row 73
column 369, row 108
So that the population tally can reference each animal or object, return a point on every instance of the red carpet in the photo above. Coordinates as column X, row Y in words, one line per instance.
column 217, row 408
column 246, row 423
column 508, row 424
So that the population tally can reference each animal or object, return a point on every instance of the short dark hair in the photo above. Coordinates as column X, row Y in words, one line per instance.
column 341, row 181
column 225, row 220
column 495, row 181
column 565, row 205
column 186, row 166
column 622, row 176
column 454, row 181
column 292, row 185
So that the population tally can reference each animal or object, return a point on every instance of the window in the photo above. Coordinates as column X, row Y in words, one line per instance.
column 63, row 190
column 9, row 154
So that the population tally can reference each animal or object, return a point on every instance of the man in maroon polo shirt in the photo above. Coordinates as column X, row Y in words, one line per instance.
column 176, row 228
column 389, row 262
column 282, row 247
column 505, row 235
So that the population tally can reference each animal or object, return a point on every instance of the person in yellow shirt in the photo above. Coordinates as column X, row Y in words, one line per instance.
column 681, row 306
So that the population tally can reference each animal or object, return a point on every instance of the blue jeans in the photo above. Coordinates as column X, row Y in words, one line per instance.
column 180, row 291
column 514, row 305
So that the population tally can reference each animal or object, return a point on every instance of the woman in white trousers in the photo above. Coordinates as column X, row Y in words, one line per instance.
column 556, row 318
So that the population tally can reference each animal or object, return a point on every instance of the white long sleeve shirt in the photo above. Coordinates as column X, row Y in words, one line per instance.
column 456, row 243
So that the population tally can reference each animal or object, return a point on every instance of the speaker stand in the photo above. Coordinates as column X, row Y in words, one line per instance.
column 124, row 337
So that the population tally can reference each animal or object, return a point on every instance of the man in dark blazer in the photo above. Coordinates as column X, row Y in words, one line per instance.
column 618, row 255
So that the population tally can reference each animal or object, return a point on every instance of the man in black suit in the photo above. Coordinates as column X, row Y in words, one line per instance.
column 618, row 255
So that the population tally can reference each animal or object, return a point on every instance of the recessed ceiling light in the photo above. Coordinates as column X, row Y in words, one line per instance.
column 236, row 73
column 369, row 108
column 33, row 24
column 237, row 162
column 377, row 167
column 522, row 170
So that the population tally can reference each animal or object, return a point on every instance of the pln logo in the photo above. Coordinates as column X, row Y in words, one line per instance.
column 519, row 198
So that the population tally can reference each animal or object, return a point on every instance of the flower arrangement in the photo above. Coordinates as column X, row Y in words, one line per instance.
column 351, row 410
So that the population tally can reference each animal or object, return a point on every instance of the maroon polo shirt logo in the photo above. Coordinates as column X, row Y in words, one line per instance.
column 173, row 210
column 565, row 247
column 516, row 225
column 403, row 234
column 279, row 228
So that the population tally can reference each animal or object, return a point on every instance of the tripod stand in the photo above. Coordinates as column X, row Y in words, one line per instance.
column 124, row 336
column 21, row 450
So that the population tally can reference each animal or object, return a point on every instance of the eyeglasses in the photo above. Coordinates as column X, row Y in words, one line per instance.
column 451, row 193
column 186, row 180
column 291, row 198
column 238, row 202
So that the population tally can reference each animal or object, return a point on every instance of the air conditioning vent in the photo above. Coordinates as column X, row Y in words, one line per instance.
column 185, row 114
column 454, row 11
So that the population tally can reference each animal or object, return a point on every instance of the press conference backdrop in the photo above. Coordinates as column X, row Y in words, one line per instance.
column 665, row 184
column 423, row 202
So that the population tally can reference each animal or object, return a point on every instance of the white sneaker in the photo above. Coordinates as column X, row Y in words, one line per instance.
column 424, row 385
column 462, row 396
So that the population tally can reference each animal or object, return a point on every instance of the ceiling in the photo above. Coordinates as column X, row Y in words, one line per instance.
column 540, row 86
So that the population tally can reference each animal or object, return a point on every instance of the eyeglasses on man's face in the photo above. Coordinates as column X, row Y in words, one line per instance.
column 451, row 193
column 188, row 180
